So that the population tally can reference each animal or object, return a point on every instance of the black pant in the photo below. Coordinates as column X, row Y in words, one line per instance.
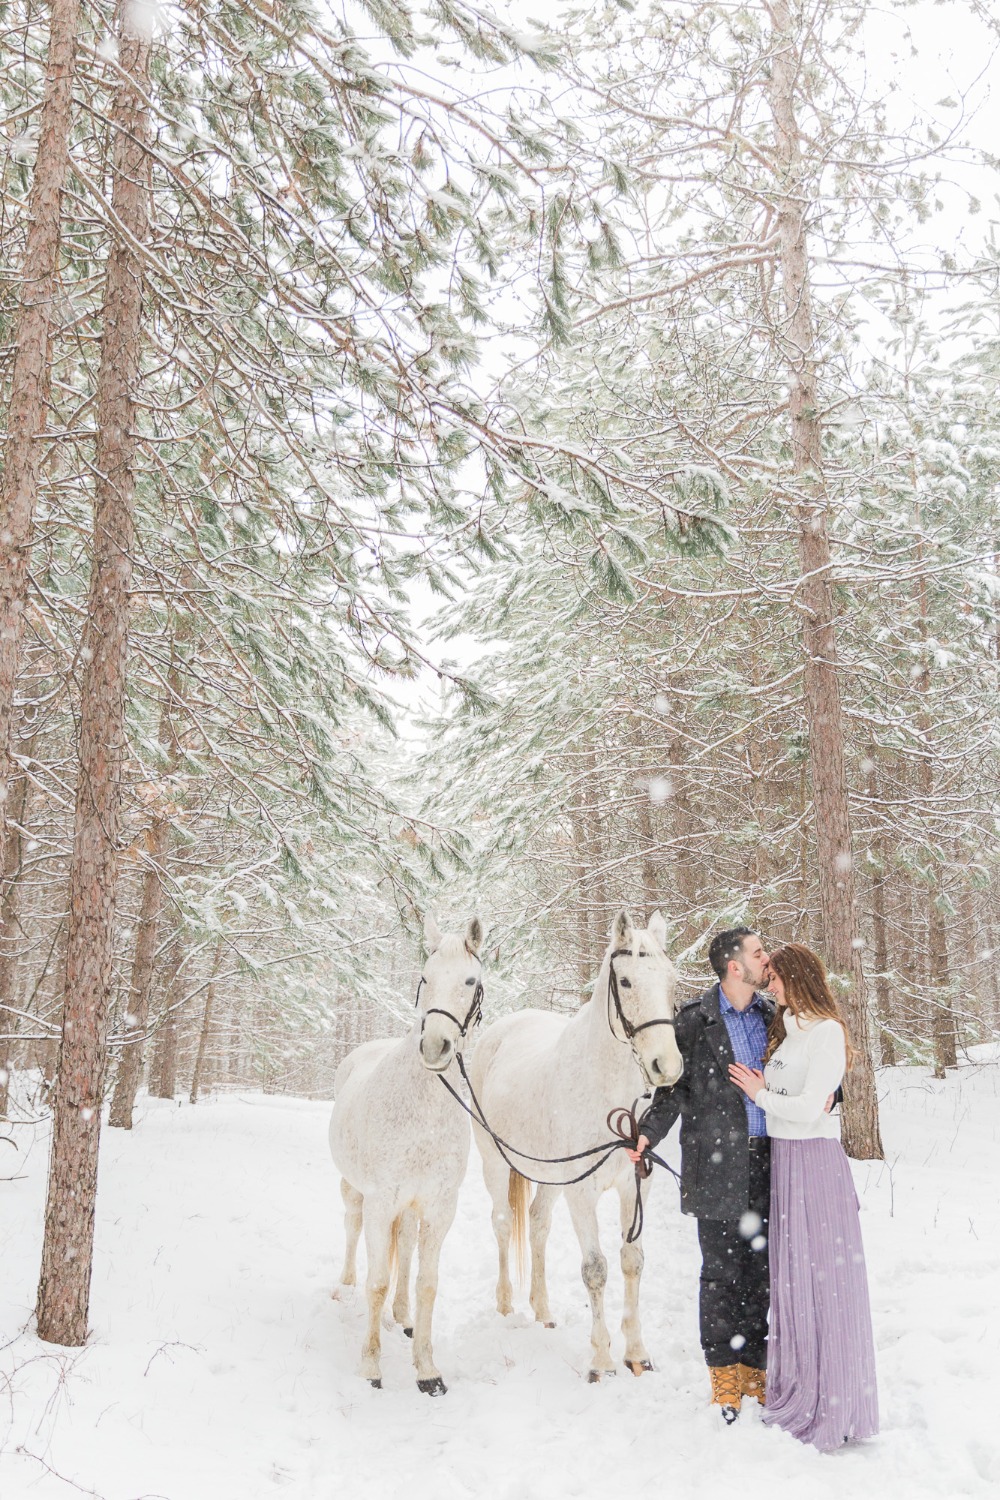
column 734, row 1280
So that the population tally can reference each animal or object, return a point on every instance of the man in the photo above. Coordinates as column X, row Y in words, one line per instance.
column 725, row 1162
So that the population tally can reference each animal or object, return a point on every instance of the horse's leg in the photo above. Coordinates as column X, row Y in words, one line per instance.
column 404, row 1251
column 496, row 1175
column 594, row 1269
column 353, row 1216
column 540, row 1222
column 378, row 1232
column 632, row 1259
column 433, row 1228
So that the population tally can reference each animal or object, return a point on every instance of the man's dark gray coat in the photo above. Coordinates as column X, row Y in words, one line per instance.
column 715, row 1166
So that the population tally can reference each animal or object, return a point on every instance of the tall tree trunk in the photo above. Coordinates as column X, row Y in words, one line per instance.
column 163, row 1070
column 684, row 838
column 198, row 1076
column 144, row 960
column 601, row 902
column 11, row 937
column 577, row 817
column 64, row 1286
column 32, row 368
column 939, row 987
column 880, row 880
column 143, row 969
column 234, row 1039
column 991, row 924
column 805, row 883
column 943, row 1019
column 971, row 975
column 906, row 959
column 834, row 844
column 647, row 846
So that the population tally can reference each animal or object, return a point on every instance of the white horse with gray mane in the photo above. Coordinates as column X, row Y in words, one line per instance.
column 546, row 1084
column 401, row 1143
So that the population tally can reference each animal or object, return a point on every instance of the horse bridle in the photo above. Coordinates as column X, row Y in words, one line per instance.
column 475, row 1011
column 622, row 1122
column 474, row 1015
column 631, row 1032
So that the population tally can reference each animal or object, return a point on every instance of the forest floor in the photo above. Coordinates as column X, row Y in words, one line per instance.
column 219, row 1367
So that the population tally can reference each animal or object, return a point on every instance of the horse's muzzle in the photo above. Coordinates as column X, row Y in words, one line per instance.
column 663, row 1075
column 440, row 1061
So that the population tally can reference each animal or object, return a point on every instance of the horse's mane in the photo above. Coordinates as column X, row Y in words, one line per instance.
column 452, row 946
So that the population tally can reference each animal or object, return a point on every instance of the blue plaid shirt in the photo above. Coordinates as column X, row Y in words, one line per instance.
column 748, row 1034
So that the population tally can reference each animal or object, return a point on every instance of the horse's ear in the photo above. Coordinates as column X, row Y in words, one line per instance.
column 621, row 929
column 432, row 933
column 474, row 936
column 658, row 927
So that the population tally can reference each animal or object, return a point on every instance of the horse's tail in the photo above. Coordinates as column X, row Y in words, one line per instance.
column 519, row 1198
column 393, row 1257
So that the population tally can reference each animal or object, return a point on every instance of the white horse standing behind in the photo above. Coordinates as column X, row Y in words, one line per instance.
column 546, row 1084
column 401, row 1143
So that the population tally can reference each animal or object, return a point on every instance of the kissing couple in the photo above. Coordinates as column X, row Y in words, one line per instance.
column 763, row 1171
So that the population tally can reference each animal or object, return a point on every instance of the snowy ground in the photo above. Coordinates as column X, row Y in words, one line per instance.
column 219, row 1368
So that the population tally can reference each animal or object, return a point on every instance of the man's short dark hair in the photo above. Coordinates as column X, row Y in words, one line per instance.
column 726, row 946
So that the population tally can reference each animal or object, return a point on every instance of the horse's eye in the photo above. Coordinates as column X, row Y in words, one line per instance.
column 470, row 981
column 626, row 983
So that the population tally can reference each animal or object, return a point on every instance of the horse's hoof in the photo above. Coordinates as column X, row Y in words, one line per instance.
column 594, row 1377
column 548, row 1325
column 376, row 1385
column 432, row 1387
column 408, row 1332
column 639, row 1366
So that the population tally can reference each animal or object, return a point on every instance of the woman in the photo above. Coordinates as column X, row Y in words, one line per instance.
column 821, row 1360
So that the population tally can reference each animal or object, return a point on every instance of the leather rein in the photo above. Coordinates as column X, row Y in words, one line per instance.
column 622, row 1122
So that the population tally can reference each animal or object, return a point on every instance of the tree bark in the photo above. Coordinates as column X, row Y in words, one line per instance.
column 600, row 902
column 834, row 843
column 144, row 959
column 802, row 926
column 163, row 1071
column 991, row 923
column 143, row 968
column 907, row 956
column 10, row 930
column 198, row 1076
column 64, row 1286
column 880, row 879
column 647, row 847
column 943, row 1019
column 685, row 840
column 577, row 816
column 32, row 368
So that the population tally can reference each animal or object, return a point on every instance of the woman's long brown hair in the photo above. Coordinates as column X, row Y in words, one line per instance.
column 807, row 993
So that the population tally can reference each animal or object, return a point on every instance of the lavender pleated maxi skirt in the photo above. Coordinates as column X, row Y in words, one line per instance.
column 821, row 1358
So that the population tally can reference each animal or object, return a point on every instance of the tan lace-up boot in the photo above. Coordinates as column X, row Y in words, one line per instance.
column 726, row 1390
column 753, row 1382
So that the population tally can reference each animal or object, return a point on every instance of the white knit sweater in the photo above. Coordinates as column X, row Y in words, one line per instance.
column 800, row 1077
